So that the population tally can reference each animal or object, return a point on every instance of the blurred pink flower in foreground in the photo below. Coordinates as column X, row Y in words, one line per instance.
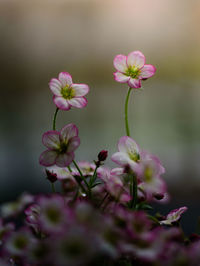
column 174, row 216
column 68, row 94
column 60, row 146
column 131, row 69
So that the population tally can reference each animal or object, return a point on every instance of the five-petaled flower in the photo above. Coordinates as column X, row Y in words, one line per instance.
column 60, row 146
column 68, row 94
column 132, row 69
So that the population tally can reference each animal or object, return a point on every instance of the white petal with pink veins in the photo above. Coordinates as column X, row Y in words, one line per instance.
column 120, row 63
column 47, row 158
column 80, row 89
column 127, row 145
column 147, row 71
column 64, row 159
column 73, row 144
column 120, row 77
column 136, row 59
column 69, row 131
column 61, row 103
column 65, row 78
column 55, row 86
column 78, row 102
column 134, row 83
column 51, row 139
column 120, row 158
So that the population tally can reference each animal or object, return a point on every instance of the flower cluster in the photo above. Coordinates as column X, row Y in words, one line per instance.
column 98, row 215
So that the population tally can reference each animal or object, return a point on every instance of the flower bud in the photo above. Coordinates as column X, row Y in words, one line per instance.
column 52, row 177
column 102, row 155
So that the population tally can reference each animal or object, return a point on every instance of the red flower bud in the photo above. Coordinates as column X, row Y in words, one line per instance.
column 102, row 155
column 51, row 176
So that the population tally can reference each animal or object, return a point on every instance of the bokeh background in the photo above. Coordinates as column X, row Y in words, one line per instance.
column 39, row 39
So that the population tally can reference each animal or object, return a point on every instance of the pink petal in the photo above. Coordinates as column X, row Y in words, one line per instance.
column 65, row 78
column 120, row 77
column 51, row 139
column 120, row 63
column 61, row 173
column 47, row 158
column 120, row 158
column 147, row 71
column 55, row 86
column 64, row 159
column 78, row 102
column 61, row 103
column 134, row 83
column 136, row 59
column 80, row 89
column 128, row 145
column 69, row 131
column 73, row 144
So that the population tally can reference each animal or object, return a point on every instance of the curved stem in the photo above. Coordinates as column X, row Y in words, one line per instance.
column 54, row 119
column 126, row 112
column 82, row 176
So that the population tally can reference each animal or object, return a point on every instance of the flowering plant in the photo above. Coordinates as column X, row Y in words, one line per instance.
column 100, row 216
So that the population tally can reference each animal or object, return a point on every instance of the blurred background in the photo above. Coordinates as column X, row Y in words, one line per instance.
column 39, row 39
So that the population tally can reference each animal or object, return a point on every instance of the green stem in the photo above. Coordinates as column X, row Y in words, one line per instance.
column 69, row 168
column 133, row 191
column 53, row 188
column 79, row 183
column 82, row 176
column 54, row 119
column 126, row 112
column 93, row 178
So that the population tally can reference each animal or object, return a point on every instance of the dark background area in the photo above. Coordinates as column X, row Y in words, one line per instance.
column 39, row 39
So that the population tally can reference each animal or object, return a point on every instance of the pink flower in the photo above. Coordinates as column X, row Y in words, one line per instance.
column 148, row 171
column 60, row 146
column 128, row 153
column 131, row 69
column 68, row 94
column 174, row 216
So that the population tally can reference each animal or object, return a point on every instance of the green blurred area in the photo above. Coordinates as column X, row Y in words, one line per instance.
column 39, row 39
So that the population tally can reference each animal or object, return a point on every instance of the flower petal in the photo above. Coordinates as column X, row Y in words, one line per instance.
column 80, row 89
column 128, row 145
column 78, row 102
column 61, row 173
column 147, row 71
column 61, row 103
column 120, row 158
column 64, row 159
column 136, row 59
column 47, row 158
column 73, row 144
column 120, row 62
column 55, row 86
column 69, row 131
column 120, row 77
column 51, row 139
column 134, row 83
column 65, row 78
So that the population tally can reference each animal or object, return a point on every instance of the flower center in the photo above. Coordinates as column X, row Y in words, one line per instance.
column 62, row 148
column 148, row 174
column 133, row 72
column 134, row 156
column 67, row 92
